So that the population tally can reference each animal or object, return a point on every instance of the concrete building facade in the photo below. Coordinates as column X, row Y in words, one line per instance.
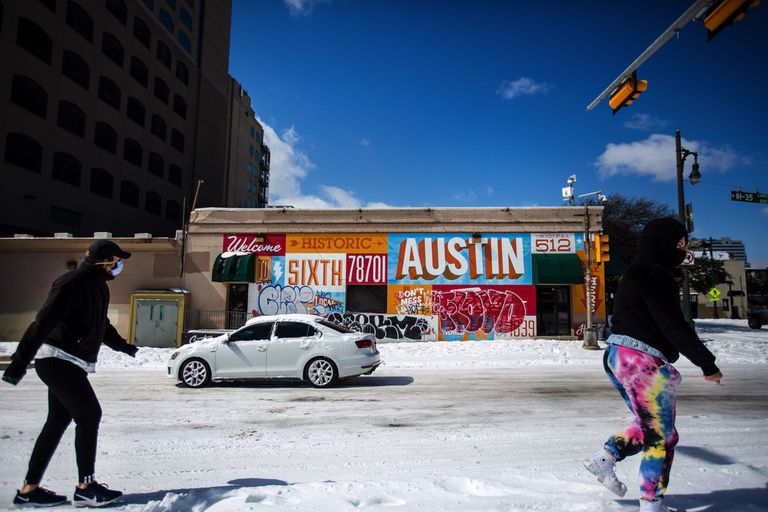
column 111, row 112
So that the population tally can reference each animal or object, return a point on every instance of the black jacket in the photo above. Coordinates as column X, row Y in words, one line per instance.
column 73, row 319
column 647, row 305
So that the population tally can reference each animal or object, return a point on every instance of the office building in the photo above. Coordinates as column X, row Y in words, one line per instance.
column 112, row 110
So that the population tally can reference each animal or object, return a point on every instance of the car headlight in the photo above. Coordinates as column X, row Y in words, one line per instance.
column 174, row 355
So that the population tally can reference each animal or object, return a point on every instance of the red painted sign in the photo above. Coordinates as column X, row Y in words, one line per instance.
column 267, row 245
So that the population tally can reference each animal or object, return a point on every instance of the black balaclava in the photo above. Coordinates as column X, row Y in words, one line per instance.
column 658, row 243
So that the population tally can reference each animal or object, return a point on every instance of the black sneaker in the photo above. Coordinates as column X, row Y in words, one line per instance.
column 38, row 498
column 95, row 495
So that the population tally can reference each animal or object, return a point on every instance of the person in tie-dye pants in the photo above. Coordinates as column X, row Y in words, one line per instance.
column 649, row 333
column 648, row 385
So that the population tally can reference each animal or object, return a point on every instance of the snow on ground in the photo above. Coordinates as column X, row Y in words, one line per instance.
column 491, row 426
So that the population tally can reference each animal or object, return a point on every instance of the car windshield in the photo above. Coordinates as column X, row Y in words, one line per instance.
column 335, row 327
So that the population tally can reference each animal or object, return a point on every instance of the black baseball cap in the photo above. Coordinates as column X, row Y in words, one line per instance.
column 106, row 249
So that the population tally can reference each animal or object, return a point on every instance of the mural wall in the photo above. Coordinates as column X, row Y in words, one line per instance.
column 400, row 286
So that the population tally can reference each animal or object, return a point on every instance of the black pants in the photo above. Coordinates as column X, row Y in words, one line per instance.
column 70, row 397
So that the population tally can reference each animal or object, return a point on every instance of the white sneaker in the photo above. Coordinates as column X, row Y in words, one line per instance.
column 653, row 506
column 601, row 465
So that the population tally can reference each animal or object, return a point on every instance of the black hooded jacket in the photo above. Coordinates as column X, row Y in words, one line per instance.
column 73, row 319
column 647, row 305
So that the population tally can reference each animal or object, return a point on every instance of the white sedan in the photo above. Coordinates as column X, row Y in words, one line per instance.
column 306, row 347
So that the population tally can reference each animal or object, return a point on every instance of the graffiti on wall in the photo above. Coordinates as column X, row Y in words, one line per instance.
column 393, row 327
column 275, row 299
column 473, row 309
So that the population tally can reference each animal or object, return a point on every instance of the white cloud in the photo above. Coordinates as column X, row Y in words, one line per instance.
column 645, row 123
column 522, row 86
column 365, row 142
column 655, row 157
column 288, row 168
column 302, row 7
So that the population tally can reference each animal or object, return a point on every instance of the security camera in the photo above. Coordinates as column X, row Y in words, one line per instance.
column 571, row 179
column 603, row 198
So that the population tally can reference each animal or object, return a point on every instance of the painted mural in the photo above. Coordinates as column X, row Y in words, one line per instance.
column 448, row 287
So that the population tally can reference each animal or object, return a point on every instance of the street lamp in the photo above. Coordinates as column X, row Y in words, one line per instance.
column 680, row 155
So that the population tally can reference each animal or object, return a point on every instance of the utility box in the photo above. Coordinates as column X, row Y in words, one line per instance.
column 157, row 317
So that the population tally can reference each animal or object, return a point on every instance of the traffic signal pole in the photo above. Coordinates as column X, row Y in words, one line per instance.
column 693, row 12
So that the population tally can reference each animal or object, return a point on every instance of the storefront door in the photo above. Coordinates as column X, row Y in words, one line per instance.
column 553, row 306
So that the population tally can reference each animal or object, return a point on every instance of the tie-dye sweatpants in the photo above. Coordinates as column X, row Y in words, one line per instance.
column 648, row 385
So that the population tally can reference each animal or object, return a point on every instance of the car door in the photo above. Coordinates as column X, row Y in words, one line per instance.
column 244, row 355
column 288, row 347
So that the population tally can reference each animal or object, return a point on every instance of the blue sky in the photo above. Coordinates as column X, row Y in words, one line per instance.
column 415, row 103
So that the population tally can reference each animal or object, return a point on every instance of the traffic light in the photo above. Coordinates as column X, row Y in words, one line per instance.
column 627, row 92
column 602, row 248
column 724, row 13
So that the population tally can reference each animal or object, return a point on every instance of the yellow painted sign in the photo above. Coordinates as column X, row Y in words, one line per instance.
column 714, row 294
column 347, row 244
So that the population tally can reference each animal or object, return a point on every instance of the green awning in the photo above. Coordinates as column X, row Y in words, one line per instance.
column 557, row 269
column 234, row 269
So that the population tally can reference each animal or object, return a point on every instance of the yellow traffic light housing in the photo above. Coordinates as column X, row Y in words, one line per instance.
column 627, row 92
column 602, row 248
column 725, row 13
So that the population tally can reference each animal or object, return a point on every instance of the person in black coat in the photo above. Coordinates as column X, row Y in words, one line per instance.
column 64, row 340
column 648, row 334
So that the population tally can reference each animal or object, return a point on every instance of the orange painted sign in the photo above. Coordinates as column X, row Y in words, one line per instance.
column 351, row 243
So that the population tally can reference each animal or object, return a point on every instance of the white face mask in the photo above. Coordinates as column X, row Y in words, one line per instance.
column 117, row 268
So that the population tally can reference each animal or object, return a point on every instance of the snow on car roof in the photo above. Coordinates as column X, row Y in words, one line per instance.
column 292, row 317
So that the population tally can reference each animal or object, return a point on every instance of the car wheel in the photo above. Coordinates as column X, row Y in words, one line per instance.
column 195, row 373
column 754, row 323
column 321, row 372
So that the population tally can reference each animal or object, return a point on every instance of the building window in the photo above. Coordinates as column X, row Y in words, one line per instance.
column 34, row 39
column 74, row 67
column 253, row 132
column 182, row 73
column 158, row 127
column 102, row 183
column 156, row 165
column 141, row 32
column 109, row 92
column 30, row 95
column 173, row 211
column 184, row 41
column 78, row 19
column 164, row 54
column 177, row 140
column 118, row 8
column 166, row 20
column 161, row 90
column 185, row 18
column 174, row 175
column 71, row 118
column 112, row 48
column 250, row 149
column 139, row 71
column 133, row 152
column 153, row 203
column 66, row 168
column 24, row 151
column 105, row 137
column 136, row 111
column 65, row 217
column 129, row 194
column 180, row 106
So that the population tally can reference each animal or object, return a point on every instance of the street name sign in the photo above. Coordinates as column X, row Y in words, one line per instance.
column 749, row 197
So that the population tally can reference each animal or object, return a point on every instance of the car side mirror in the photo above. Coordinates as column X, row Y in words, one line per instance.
column 318, row 334
column 228, row 338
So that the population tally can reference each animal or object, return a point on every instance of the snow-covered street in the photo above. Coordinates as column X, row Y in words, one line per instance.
column 500, row 425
